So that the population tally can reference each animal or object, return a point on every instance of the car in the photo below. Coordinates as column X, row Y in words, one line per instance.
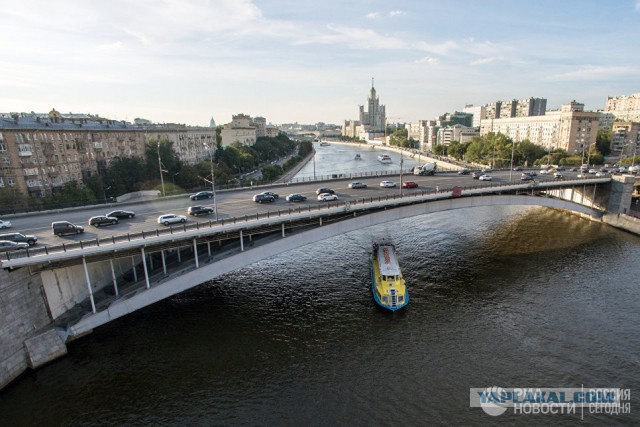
column 99, row 220
column 409, row 184
column 581, row 175
column 5, row 224
column 573, row 170
column 19, row 237
column 544, row 172
column 486, row 177
column 560, row 168
column 61, row 228
column 121, row 214
column 600, row 174
column 531, row 173
column 171, row 219
column 517, row 168
column 324, row 191
column 593, row 171
column 558, row 175
column 6, row 246
column 485, row 170
column 387, row 184
column 263, row 198
column 526, row 177
column 476, row 175
column 327, row 197
column 357, row 184
column 464, row 171
column 603, row 170
column 296, row 198
column 199, row 210
column 202, row 195
column 271, row 193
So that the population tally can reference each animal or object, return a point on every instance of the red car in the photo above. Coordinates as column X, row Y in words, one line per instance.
column 409, row 184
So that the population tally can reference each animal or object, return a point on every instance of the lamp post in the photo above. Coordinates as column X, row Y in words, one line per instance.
column 104, row 193
column 160, row 167
column 213, row 182
column 513, row 147
column 401, row 164
column 173, row 178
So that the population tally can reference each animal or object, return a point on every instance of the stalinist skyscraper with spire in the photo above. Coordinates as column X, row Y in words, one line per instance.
column 371, row 122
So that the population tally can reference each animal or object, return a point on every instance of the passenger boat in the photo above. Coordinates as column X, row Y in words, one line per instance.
column 357, row 157
column 388, row 286
column 384, row 158
column 324, row 144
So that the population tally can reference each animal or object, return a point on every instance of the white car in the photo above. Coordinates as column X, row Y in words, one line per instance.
column 6, row 246
column 171, row 219
column 593, row 171
column 602, row 174
column 581, row 175
column 544, row 172
column 5, row 224
column 387, row 184
column 485, row 178
column 327, row 197
column 357, row 184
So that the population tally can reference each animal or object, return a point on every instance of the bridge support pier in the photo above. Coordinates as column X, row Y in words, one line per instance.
column 133, row 267
column 209, row 248
column 164, row 263
column 179, row 255
column 195, row 253
column 283, row 230
column 86, row 275
column 113, row 276
column 241, row 242
column 144, row 267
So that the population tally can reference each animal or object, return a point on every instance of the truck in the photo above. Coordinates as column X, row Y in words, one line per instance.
column 425, row 170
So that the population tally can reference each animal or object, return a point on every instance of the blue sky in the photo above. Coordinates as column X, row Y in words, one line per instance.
column 186, row 61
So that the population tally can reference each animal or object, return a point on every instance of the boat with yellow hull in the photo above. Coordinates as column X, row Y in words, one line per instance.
column 388, row 286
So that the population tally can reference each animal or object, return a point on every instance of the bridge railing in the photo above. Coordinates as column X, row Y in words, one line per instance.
column 535, row 188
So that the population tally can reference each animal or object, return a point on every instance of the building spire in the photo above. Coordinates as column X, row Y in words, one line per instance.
column 371, row 82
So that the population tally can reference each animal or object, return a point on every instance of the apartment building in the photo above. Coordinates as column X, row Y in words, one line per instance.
column 570, row 128
column 625, row 108
column 448, row 134
column 477, row 113
column 42, row 152
column 242, row 129
column 625, row 138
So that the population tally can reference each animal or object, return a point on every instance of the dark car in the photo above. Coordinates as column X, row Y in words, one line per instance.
column 464, row 171
column 271, row 193
column 99, row 220
column 296, row 198
column 6, row 246
column 476, row 175
column 199, row 210
column 121, row 214
column 19, row 238
column 263, row 198
column 517, row 168
column 202, row 195
column 324, row 191
column 409, row 184
column 526, row 177
column 61, row 228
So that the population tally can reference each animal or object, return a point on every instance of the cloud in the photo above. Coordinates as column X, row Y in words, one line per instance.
column 395, row 13
column 594, row 72
column 427, row 60
column 486, row 60
column 373, row 15
column 638, row 5
column 355, row 38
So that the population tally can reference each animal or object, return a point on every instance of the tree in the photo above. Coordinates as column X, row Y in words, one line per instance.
column 271, row 172
column 127, row 174
column 458, row 150
column 603, row 141
column 440, row 149
column 399, row 138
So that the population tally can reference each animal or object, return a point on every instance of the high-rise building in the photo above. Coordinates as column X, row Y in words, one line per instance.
column 371, row 122
column 478, row 114
column 625, row 138
column 531, row 107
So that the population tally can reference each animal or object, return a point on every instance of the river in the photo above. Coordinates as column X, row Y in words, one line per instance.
column 507, row 296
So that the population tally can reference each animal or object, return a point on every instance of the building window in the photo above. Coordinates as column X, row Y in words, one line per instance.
column 3, row 147
column 11, row 181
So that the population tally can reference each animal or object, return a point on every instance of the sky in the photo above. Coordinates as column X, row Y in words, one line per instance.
column 186, row 61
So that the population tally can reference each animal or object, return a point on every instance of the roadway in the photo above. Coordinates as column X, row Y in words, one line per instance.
column 237, row 203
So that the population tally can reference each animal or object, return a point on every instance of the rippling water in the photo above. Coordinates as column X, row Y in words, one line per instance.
column 514, row 297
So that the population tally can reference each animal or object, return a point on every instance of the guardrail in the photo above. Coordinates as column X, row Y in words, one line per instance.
column 445, row 192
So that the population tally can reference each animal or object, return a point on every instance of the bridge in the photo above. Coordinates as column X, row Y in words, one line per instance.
column 89, row 283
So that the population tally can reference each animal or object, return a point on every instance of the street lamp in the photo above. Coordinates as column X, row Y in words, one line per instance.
column 513, row 147
column 104, row 192
column 173, row 178
column 213, row 182
column 160, row 167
